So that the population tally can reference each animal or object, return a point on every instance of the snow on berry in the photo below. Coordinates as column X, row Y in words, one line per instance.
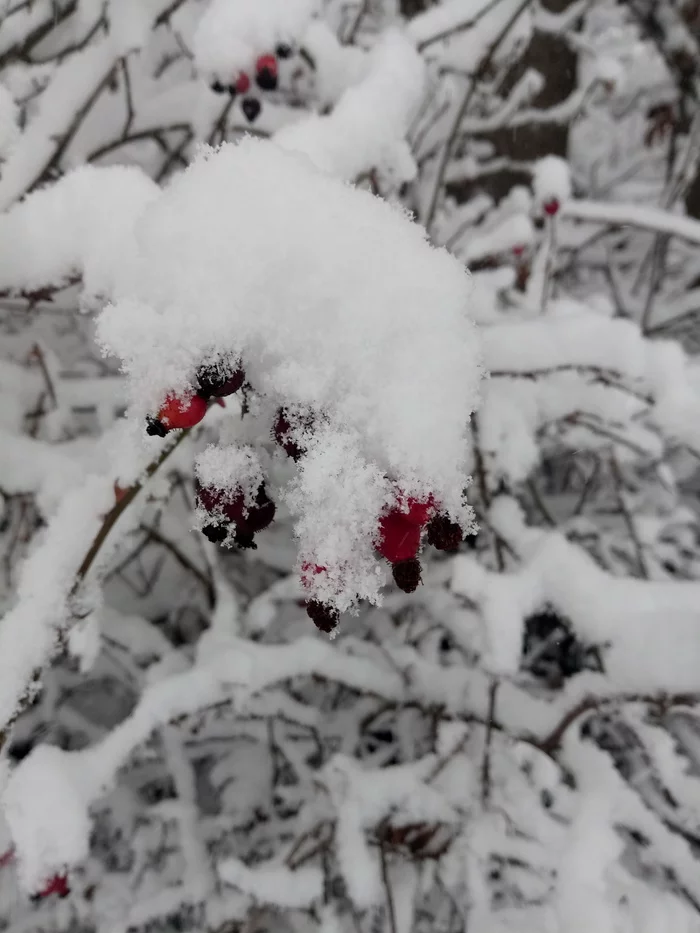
column 233, row 33
column 399, row 538
column 551, row 182
column 46, row 804
column 180, row 412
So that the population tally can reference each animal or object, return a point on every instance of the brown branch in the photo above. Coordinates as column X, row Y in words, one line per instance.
column 155, row 535
column 119, row 507
column 552, row 742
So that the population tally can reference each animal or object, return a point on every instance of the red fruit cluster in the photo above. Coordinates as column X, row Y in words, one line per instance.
column 175, row 412
column 231, row 514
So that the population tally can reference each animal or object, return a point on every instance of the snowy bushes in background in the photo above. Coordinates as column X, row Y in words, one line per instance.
column 502, row 738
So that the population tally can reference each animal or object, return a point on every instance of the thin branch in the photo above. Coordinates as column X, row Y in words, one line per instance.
column 387, row 888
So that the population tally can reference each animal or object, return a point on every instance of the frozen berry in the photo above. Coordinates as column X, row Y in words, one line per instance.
column 284, row 50
column 251, row 108
column 266, row 73
column 407, row 575
column 417, row 511
column 551, row 207
column 309, row 571
column 215, row 533
column 217, row 382
column 324, row 617
column 443, row 534
column 399, row 539
column 281, row 431
column 217, row 87
column 261, row 514
column 181, row 413
column 242, row 83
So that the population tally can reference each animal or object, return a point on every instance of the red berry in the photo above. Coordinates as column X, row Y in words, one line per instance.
column 407, row 575
column 266, row 63
column 399, row 539
column 56, row 885
column 266, row 73
column 242, row 83
column 551, row 207
column 518, row 250
column 182, row 413
column 417, row 511
column 324, row 617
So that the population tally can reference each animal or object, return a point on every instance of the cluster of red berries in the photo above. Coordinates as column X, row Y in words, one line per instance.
column 400, row 537
column 266, row 78
column 236, row 520
column 213, row 383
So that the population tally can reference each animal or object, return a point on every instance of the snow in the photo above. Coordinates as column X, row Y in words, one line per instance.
column 620, row 614
column 551, row 179
column 647, row 218
column 9, row 129
column 47, row 815
column 233, row 33
column 371, row 119
column 275, row 884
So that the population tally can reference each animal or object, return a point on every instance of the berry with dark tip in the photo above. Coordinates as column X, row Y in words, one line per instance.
column 155, row 428
column 181, row 413
column 215, row 533
column 551, row 207
column 260, row 515
column 324, row 617
column 266, row 73
column 443, row 534
column 284, row 50
column 251, row 108
column 218, row 383
column 399, row 539
column 217, row 87
column 407, row 575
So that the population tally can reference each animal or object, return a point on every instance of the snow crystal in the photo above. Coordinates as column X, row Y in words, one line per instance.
column 230, row 468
